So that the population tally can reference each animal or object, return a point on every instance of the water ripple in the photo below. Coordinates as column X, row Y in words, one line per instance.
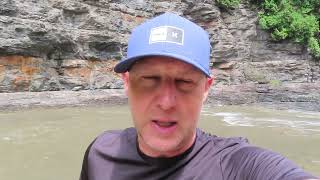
column 305, row 122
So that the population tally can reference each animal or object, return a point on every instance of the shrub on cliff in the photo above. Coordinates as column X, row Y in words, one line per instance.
column 293, row 19
column 297, row 20
column 228, row 3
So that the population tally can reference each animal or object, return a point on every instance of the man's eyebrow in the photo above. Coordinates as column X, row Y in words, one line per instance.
column 145, row 71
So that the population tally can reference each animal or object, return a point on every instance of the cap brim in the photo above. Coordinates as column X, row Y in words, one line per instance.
column 125, row 64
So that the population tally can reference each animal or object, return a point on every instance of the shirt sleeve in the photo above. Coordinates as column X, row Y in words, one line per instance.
column 84, row 169
column 253, row 163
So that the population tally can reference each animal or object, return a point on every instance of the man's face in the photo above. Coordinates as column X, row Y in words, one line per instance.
column 165, row 98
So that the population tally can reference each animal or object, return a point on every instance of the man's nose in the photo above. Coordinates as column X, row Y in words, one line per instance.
column 167, row 96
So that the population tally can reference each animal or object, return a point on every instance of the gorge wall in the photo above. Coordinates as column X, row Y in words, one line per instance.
column 55, row 45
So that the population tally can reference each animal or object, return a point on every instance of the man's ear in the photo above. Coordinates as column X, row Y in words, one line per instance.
column 209, row 83
column 125, row 79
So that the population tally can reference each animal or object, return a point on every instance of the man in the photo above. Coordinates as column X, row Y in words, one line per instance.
column 167, row 78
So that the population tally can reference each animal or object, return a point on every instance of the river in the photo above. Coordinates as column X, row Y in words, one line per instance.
column 49, row 143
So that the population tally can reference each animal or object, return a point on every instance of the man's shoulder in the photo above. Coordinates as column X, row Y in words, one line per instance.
column 112, row 141
column 115, row 134
column 222, row 143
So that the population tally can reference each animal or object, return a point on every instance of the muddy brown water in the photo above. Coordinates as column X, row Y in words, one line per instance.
column 48, row 144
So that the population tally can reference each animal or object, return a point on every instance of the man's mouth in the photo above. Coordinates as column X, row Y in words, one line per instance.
column 164, row 124
column 164, row 127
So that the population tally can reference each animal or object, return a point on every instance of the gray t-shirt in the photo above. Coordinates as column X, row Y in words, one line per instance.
column 115, row 155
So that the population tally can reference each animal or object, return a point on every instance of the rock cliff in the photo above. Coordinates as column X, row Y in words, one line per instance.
column 54, row 45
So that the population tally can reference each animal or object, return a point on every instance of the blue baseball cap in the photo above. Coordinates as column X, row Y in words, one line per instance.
column 168, row 35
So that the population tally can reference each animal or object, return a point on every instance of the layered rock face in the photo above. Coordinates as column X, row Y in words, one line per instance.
column 50, row 45
column 19, row 73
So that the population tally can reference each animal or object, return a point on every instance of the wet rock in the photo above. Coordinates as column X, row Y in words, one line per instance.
column 74, row 63
column 107, row 50
column 37, row 83
column 77, row 88
column 203, row 12
column 117, row 84
column 8, row 8
column 102, row 81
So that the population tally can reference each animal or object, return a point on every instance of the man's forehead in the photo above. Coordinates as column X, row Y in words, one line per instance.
column 154, row 62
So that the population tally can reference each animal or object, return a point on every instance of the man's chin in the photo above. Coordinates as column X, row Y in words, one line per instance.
column 160, row 147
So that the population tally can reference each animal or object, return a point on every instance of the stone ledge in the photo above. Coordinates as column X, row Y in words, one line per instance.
column 24, row 100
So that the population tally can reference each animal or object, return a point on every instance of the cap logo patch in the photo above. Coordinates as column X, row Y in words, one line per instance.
column 168, row 34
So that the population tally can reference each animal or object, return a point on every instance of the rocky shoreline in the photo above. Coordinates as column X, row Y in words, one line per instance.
column 297, row 96
column 47, row 99
column 110, row 97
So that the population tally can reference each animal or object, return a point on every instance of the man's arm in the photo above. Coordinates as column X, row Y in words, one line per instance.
column 251, row 162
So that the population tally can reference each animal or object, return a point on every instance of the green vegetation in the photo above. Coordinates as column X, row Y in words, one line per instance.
column 228, row 3
column 275, row 83
column 296, row 20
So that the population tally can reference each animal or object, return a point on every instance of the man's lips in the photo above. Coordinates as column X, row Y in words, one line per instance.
column 164, row 127
column 164, row 124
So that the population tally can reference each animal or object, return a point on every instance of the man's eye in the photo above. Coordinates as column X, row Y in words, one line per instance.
column 184, row 81
column 151, row 78
column 149, row 81
column 185, row 85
